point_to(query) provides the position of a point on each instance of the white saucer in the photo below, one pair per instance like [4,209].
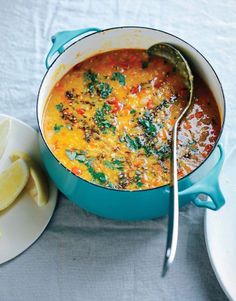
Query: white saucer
[220,230]
[22,223]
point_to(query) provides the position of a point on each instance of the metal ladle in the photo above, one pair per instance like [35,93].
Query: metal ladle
[176,58]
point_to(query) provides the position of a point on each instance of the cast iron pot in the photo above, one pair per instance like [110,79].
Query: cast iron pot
[117,204]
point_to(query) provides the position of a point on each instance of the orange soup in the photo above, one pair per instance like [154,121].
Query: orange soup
[109,120]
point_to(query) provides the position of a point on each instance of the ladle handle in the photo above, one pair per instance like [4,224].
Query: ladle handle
[173,218]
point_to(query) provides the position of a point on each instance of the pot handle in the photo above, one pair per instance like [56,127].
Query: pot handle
[63,37]
[212,197]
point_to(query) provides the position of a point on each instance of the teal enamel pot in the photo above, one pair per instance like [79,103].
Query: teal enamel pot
[68,49]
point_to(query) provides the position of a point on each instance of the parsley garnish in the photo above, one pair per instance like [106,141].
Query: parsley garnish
[80,156]
[132,144]
[132,111]
[57,128]
[59,107]
[114,164]
[101,121]
[120,77]
[95,86]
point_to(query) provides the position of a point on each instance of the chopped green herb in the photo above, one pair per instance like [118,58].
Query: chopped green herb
[150,128]
[71,154]
[106,108]
[163,152]
[94,86]
[102,123]
[81,158]
[131,143]
[59,107]
[120,77]
[99,176]
[132,111]
[104,90]
[91,88]
[109,164]
[115,164]
[90,76]
[137,179]
[118,164]
[57,128]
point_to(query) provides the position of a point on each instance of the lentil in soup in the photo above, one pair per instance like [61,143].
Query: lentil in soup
[109,120]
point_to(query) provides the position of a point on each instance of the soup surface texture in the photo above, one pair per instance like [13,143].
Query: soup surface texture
[109,120]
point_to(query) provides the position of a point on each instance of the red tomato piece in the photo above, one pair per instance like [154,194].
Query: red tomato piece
[112,100]
[80,111]
[76,171]
[136,89]
[117,107]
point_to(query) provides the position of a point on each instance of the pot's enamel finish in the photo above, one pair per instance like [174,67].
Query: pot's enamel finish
[128,205]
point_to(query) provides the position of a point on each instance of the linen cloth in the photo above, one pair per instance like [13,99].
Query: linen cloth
[81,256]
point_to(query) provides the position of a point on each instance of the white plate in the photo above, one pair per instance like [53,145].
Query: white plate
[24,221]
[220,230]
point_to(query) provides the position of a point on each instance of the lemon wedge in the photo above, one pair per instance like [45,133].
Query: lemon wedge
[4,130]
[37,187]
[12,182]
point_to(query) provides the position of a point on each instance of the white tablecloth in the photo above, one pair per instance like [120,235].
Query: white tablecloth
[81,256]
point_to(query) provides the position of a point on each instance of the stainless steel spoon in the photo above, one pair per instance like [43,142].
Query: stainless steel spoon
[176,58]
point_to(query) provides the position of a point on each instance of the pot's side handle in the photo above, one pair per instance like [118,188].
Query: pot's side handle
[208,186]
[60,39]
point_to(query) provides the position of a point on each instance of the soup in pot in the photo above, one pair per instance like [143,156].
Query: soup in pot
[109,120]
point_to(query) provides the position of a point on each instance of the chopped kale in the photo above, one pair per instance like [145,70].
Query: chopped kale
[59,107]
[95,86]
[114,164]
[109,164]
[133,111]
[118,164]
[91,88]
[163,152]
[104,90]
[131,143]
[150,128]
[70,154]
[80,156]
[57,128]
[120,77]
[90,76]
[100,119]
[97,176]
[137,179]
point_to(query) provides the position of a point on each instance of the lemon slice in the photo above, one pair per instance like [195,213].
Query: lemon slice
[12,182]
[37,187]
[4,130]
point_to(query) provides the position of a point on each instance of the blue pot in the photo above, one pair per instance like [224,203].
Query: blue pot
[117,204]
